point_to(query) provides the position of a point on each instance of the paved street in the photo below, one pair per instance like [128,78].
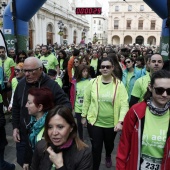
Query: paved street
[10,152]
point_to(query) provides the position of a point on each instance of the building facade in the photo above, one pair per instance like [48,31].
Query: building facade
[131,22]
[44,29]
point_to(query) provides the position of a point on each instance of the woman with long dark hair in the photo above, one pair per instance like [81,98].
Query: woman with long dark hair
[62,148]
[145,139]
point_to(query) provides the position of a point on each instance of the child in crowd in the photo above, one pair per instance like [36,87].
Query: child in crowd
[53,75]
[79,84]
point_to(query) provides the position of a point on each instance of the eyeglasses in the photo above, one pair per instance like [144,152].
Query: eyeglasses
[30,71]
[161,90]
[17,70]
[105,66]
[127,62]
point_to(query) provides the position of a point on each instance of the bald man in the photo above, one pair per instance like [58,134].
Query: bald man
[34,77]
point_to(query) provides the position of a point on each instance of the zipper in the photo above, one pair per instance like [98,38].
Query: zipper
[139,141]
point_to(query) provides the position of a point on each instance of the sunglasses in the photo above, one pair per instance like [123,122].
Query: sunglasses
[127,62]
[161,90]
[17,70]
[107,67]
[76,61]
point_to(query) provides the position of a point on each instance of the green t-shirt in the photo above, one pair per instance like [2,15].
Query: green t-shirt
[50,62]
[129,76]
[106,109]
[8,63]
[80,88]
[140,87]
[61,64]
[59,81]
[154,139]
[94,64]
[14,83]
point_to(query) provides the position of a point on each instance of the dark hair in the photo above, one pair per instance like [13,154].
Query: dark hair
[156,75]
[45,46]
[41,95]
[76,52]
[21,53]
[141,59]
[80,69]
[86,58]
[64,54]
[131,59]
[66,114]
[2,47]
[117,69]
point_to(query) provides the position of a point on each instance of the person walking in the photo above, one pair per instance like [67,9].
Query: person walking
[145,139]
[105,105]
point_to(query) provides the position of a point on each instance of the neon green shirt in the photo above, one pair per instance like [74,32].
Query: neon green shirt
[50,62]
[129,76]
[154,139]
[59,81]
[61,64]
[8,63]
[94,64]
[80,88]
[106,110]
[14,83]
[140,87]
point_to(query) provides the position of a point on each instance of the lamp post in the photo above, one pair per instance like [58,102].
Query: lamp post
[83,34]
[95,39]
[2,8]
[61,26]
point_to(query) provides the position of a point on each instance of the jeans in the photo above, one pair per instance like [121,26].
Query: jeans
[98,136]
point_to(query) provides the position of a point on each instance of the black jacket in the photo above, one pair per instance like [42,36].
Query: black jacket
[74,159]
[20,116]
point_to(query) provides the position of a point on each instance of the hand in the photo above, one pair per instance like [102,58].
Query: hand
[26,167]
[16,135]
[9,108]
[84,121]
[118,127]
[56,158]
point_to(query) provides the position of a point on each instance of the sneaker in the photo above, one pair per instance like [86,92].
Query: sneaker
[108,162]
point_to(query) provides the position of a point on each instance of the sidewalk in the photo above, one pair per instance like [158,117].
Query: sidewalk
[10,151]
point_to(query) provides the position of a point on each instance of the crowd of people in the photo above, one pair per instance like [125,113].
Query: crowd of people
[53,92]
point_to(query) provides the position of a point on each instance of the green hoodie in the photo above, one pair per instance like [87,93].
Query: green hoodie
[91,106]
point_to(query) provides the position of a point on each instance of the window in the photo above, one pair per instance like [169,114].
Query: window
[99,22]
[142,8]
[94,21]
[116,24]
[153,24]
[116,8]
[140,25]
[130,8]
[128,24]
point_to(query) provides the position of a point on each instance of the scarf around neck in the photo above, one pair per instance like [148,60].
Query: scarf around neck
[155,110]
[35,128]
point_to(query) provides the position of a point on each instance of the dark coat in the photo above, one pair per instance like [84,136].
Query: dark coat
[74,159]
[20,116]
[3,141]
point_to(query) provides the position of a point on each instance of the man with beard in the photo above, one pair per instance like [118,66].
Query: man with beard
[49,60]
[140,87]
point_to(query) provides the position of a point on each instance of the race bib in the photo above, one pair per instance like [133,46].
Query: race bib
[146,165]
[45,62]
[80,100]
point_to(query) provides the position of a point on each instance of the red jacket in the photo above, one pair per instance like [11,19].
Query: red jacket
[129,149]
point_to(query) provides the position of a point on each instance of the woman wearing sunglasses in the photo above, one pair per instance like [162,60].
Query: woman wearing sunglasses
[130,75]
[19,74]
[105,105]
[145,139]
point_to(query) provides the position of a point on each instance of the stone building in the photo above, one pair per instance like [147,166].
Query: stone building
[133,21]
[44,29]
